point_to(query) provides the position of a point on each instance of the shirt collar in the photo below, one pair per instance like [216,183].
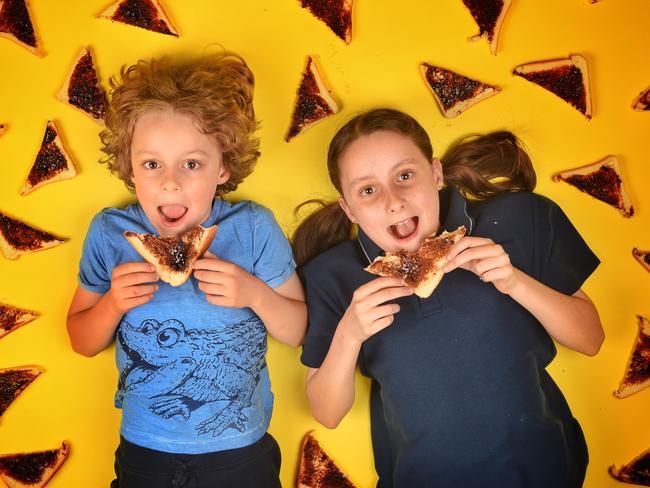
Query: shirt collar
[453,209]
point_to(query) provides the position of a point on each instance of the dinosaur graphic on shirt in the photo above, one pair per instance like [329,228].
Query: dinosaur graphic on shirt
[192,367]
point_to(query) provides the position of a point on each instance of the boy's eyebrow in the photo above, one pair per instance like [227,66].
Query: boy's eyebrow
[153,152]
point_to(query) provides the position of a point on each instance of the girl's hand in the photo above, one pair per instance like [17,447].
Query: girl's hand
[487,260]
[369,313]
[224,283]
[132,284]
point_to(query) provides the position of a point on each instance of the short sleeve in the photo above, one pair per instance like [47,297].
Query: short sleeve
[564,260]
[324,312]
[272,257]
[94,274]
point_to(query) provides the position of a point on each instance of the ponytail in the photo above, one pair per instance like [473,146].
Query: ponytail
[322,229]
[485,166]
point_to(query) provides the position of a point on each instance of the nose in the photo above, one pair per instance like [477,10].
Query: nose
[394,201]
[170,181]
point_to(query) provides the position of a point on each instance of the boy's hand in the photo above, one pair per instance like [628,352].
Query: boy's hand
[132,284]
[486,259]
[368,313]
[224,283]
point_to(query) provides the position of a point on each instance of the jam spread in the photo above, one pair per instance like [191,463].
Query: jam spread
[83,90]
[485,14]
[603,184]
[174,253]
[332,12]
[49,161]
[565,81]
[142,13]
[319,470]
[451,87]
[14,19]
[12,383]
[21,236]
[310,106]
[28,468]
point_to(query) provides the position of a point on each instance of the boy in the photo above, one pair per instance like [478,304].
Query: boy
[193,383]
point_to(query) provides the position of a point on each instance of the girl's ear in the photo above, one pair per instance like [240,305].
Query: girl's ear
[347,210]
[438,178]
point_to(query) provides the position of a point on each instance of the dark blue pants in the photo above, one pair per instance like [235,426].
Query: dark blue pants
[257,465]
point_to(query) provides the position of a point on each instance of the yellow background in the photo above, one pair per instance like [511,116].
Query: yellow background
[73,399]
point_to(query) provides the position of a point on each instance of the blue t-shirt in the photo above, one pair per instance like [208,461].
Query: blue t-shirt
[460,395]
[192,376]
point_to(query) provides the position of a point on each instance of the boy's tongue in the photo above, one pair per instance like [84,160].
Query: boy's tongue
[172,212]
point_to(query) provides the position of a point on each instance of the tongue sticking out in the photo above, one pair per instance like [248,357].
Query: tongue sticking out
[172,212]
[404,229]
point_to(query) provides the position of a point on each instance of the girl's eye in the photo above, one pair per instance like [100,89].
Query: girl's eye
[192,164]
[369,190]
[151,165]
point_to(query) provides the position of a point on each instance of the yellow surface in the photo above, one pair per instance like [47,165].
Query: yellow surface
[73,399]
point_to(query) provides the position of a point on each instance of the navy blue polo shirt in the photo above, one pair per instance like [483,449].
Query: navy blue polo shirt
[460,395]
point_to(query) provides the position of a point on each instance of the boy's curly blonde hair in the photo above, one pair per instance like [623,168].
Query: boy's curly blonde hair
[217,90]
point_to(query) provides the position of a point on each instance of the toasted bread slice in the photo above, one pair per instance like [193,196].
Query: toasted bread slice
[52,163]
[637,372]
[81,89]
[336,14]
[636,471]
[173,256]
[13,381]
[567,78]
[643,257]
[18,238]
[422,269]
[146,14]
[316,469]
[16,24]
[314,101]
[32,469]
[453,92]
[488,15]
[642,102]
[13,317]
[601,180]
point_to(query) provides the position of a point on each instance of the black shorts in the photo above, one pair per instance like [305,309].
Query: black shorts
[257,465]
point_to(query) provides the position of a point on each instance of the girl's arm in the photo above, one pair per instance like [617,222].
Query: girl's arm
[330,388]
[282,309]
[93,317]
[571,320]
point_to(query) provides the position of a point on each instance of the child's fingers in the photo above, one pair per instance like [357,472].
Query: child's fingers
[485,265]
[377,284]
[209,261]
[133,267]
[473,253]
[380,324]
[213,288]
[136,278]
[387,294]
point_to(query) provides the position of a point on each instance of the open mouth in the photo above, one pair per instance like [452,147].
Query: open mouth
[171,214]
[404,229]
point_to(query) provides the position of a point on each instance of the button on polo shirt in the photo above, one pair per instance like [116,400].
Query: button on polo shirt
[460,396]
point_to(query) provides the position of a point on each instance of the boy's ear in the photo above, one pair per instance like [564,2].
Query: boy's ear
[343,204]
[224,175]
[438,177]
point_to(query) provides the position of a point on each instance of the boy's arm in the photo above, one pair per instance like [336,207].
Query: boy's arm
[282,309]
[93,317]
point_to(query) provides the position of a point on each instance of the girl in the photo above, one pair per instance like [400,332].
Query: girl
[460,396]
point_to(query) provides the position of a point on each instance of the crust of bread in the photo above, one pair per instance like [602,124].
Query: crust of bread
[627,209]
[432,278]
[12,318]
[69,172]
[10,252]
[38,50]
[62,94]
[642,102]
[621,473]
[494,43]
[3,129]
[61,455]
[626,389]
[461,105]
[573,60]
[174,278]
[323,92]
[109,13]
[640,256]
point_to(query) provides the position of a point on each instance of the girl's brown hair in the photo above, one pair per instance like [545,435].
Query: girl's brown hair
[217,90]
[480,166]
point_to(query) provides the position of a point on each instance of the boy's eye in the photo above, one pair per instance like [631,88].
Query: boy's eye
[151,165]
[407,175]
[192,164]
